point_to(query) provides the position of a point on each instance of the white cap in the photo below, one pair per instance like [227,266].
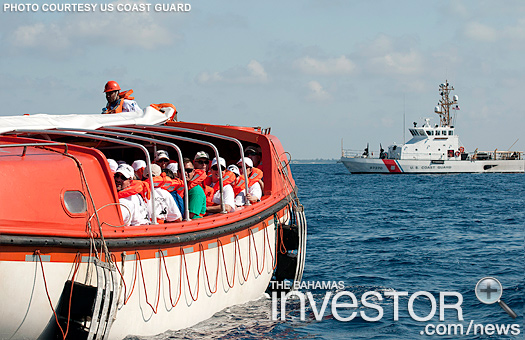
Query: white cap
[138,164]
[160,154]
[126,170]
[155,170]
[222,162]
[201,154]
[233,168]
[248,161]
[173,167]
[112,165]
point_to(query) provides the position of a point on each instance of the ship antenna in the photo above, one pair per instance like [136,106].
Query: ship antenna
[404,113]
[513,144]
[444,104]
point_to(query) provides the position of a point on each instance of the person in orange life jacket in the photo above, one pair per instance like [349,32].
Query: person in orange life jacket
[165,207]
[255,154]
[173,167]
[117,101]
[162,159]
[133,207]
[227,193]
[254,190]
[196,196]
[201,161]
[175,193]
[139,165]
[233,168]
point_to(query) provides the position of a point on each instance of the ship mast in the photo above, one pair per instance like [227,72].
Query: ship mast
[444,105]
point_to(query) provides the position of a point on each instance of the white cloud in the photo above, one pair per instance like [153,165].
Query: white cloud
[256,71]
[119,29]
[253,73]
[516,32]
[479,32]
[38,35]
[317,92]
[397,63]
[327,67]
[391,56]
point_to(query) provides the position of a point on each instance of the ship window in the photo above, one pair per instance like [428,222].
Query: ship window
[450,133]
[429,133]
[437,132]
[75,202]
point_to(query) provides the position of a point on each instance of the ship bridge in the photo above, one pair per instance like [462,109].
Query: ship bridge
[428,142]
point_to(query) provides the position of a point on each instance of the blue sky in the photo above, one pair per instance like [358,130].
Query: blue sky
[315,71]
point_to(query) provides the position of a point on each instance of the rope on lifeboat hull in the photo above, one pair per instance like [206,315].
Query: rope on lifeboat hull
[106,298]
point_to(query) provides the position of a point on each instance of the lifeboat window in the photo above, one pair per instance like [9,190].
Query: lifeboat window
[75,202]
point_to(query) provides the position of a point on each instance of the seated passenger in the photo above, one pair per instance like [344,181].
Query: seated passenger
[196,196]
[255,154]
[162,159]
[173,167]
[201,161]
[233,168]
[165,207]
[254,188]
[176,190]
[227,193]
[134,209]
[139,166]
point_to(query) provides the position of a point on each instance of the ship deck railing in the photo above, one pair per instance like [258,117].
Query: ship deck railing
[498,155]
[351,153]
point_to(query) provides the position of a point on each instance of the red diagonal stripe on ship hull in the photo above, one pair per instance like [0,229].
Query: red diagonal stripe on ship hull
[391,165]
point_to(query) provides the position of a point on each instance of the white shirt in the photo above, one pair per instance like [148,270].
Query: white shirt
[165,207]
[227,195]
[255,190]
[131,106]
[136,212]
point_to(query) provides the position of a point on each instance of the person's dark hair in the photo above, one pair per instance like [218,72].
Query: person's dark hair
[169,173]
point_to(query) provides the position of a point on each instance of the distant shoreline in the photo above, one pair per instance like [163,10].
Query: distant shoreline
[314,161]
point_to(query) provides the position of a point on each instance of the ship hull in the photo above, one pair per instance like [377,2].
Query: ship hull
[404,166]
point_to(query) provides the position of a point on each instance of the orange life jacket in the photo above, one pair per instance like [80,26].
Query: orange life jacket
[255,177]
[118,107]
[160,106]
[165,182]
[209,192]
[228,177]
[197,179]
[136,187]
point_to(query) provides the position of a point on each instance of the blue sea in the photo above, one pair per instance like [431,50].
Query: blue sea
[397,233]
